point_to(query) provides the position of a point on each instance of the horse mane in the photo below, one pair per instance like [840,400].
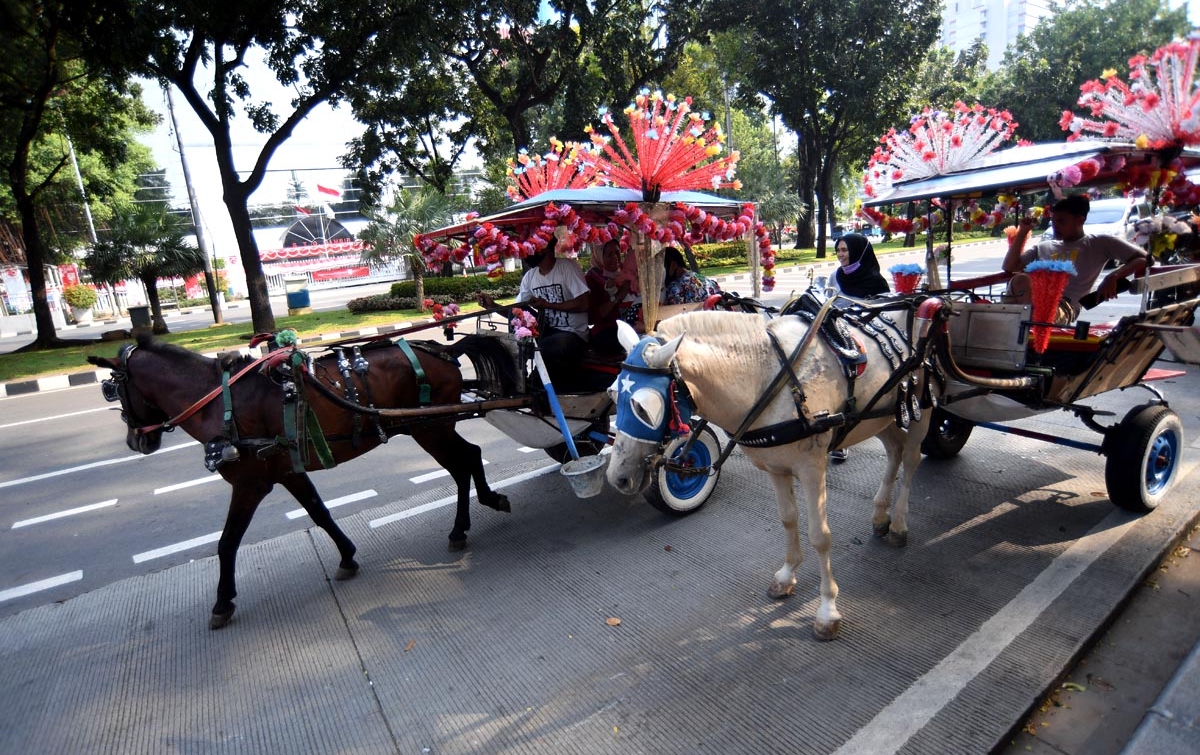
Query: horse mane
[181,360]
[732,334]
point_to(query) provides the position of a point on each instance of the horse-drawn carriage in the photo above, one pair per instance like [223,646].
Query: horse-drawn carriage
[995,372]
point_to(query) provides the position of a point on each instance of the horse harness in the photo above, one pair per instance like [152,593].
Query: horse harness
[836,327]
[291,369]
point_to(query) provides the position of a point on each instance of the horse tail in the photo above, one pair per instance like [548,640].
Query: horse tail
[495,365]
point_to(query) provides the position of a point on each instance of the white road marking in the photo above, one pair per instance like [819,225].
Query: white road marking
[453,498]
[528,449]
[167,550]
[61,514]
[907,714]
[214,477]
[45,584]
[93,465]
[432,475]
[353,497]
[57,416]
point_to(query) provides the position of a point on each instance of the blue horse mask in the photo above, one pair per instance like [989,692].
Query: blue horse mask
[647,400]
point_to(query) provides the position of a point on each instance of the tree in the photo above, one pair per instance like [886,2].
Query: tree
[1042,71]
[390,233]
[315,49]
[945,78]
[838,74]
[60,93]
[145,241]
[509,77]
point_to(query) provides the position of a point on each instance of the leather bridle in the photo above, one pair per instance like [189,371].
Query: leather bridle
[116,388]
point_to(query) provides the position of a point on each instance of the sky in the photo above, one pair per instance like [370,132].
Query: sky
[313,151]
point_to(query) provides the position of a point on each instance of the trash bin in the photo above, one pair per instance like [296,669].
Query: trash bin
[297,295]
[139,316]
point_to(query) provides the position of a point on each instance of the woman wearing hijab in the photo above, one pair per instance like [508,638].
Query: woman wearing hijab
[859,277]
[859,274]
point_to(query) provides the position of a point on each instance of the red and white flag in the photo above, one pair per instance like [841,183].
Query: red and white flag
[327,190]
[302,211]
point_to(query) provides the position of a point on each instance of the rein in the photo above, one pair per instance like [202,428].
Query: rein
[170,424]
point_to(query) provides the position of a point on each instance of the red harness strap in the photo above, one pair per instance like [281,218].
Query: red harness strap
[268,359]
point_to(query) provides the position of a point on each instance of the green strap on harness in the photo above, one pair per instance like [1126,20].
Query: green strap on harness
[227,399]
[422,383]
[297,441]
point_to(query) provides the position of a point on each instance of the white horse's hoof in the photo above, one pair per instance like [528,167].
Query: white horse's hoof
[778,592]
[881,529]
[897,539]
[827,630]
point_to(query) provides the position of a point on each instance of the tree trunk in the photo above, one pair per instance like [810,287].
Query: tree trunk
[806,181]
[261,316]
[47,334]
[825,202]
[158,322]
[418,270]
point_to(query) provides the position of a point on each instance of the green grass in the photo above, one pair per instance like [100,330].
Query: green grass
[26,365]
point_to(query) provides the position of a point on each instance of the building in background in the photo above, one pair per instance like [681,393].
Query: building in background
[998,22]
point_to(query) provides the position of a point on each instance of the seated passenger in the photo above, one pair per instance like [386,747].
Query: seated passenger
[681,285]
[558,291]
[1087,252]
[612,298]
[858,272]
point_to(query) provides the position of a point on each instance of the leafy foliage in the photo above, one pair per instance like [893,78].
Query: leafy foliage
[390,233]
[837,73]
[62,87]
[1042,71]
[80,296]
[147,242]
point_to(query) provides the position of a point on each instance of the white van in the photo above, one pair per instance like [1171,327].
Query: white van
[1108,217]
[1111,217]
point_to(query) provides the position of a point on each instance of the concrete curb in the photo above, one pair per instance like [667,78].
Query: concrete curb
[90,377]
[1172,725]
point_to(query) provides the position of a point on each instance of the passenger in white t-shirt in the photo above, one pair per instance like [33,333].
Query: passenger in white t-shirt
[556,288]
[1087,252]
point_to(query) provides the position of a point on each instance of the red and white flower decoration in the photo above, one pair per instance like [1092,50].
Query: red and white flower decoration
[936,142]
[523,324]
[560,168]
[672,151]
[1159,107]
[671,145]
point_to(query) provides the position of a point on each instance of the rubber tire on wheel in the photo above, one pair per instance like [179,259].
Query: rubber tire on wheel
[947,434]
[681,494]
[1143,455]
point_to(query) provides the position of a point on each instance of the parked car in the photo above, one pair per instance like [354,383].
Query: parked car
[1108,217]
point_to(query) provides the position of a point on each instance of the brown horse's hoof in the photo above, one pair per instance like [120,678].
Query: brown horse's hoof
[896,539]
[778,592]
[218,620]
[881,530]
[826,630]
[346,571]
[458,545]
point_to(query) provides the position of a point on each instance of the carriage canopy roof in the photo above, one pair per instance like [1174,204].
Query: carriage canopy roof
[595,204]
[1025,169]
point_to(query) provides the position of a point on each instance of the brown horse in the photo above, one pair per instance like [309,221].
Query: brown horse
[159,383]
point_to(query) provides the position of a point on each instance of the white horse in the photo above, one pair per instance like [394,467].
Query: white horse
[729,367]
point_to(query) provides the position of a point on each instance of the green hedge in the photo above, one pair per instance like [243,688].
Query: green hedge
[457,290]
[459,287]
